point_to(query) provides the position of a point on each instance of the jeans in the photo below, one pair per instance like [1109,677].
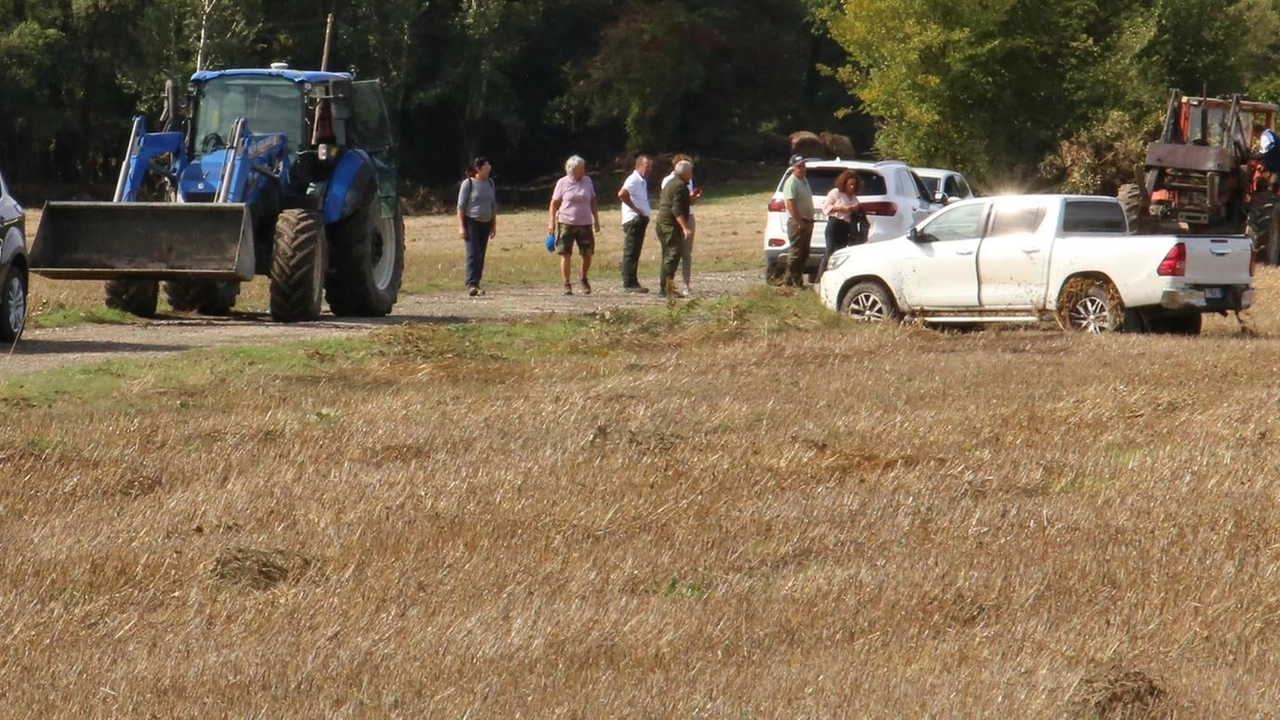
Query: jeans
[477,242]
[632,242]
[839,235]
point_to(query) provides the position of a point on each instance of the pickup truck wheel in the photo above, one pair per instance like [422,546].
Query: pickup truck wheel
[1094,306]
[870,302]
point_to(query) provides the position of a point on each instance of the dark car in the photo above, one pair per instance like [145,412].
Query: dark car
[13,267]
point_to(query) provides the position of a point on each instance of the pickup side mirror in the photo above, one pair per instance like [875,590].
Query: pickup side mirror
[913,235]
[940,198]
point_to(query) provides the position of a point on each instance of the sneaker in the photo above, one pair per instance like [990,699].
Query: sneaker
[637,289]
[568,289]
[480,291]
[686,292]
[473,291]
[586,287]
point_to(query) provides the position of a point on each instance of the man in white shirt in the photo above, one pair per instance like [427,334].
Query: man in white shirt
[634,196]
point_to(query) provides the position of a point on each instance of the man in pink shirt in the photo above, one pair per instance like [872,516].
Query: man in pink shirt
[575,218]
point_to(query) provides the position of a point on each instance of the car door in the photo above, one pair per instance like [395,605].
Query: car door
[912,192]
[943,273]
[1013,260]
[951,189]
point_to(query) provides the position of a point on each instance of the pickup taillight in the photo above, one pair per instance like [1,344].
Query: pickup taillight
[1174,263]
[1253,261]
[777,205]
[882,208]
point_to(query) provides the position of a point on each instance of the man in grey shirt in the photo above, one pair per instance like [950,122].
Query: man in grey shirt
[799,200]
[477,219]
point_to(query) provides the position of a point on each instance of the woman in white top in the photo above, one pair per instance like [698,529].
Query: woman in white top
[846,223]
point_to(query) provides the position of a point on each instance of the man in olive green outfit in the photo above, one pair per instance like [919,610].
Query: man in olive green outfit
[799,199]
[672,226]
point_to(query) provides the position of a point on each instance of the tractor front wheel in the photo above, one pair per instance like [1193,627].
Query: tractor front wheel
[138,297]
[367,259]
[207,297]
[297,266]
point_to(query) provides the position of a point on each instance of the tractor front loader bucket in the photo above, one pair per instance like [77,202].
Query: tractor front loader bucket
[144,241]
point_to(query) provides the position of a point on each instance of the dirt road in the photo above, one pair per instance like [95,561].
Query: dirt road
[47,349]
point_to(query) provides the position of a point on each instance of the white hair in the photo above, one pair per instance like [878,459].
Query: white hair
[573,163]
[683,167]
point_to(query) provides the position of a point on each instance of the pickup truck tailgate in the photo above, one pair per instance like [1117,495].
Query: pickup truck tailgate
[1217,260]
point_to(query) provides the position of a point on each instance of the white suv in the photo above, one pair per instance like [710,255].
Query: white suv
[893,197]
[944,185]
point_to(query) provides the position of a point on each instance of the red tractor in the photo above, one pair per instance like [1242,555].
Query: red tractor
[1201,175]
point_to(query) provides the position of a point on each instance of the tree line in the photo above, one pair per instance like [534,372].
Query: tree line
[525,82]
[1045,92]
[1048,91]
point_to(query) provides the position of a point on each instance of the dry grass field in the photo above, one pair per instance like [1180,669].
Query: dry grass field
[735,508]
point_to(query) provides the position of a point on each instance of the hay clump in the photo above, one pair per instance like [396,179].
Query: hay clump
[807,144]
[1121,694]
[838,145]
[258,569]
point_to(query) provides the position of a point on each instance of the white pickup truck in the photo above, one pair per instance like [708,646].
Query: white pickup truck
[1032,258]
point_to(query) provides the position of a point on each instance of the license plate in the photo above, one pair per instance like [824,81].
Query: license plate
[1213,293]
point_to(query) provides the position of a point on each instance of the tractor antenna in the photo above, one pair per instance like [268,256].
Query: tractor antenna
[328,37]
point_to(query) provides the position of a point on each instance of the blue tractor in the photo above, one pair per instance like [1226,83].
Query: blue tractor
[278,172]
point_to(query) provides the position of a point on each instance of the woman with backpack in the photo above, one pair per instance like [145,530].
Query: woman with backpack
[477,219]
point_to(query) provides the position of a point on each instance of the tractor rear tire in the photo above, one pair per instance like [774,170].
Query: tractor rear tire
[207,297]
[1130,197]
[138,297]
[366,259]
[297,266]
[1262,227]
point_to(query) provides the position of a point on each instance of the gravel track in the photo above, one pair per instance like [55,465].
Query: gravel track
[48,349]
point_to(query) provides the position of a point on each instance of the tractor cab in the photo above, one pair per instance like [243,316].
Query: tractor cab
[1217,122]
[1198,174]
[296,121]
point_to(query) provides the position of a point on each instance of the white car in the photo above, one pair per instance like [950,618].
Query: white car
[891,194]
[1030,258]
[945,185]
